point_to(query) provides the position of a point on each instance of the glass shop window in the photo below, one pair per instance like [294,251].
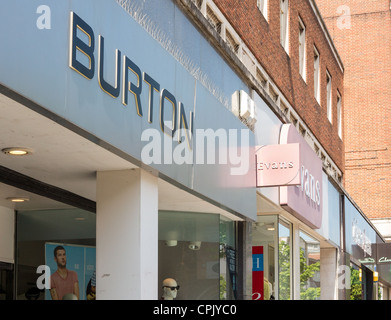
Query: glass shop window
[198,251]
[264,237]
[284,260]
[309,268]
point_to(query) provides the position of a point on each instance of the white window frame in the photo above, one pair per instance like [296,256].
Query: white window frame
[316,74]
[329,97]
[284,24]
[262,6]
[339,113]
[302,50]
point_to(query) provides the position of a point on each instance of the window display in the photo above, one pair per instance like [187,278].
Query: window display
[198,250]
[264,235]
[39,232]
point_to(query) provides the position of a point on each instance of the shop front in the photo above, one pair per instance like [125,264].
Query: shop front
[136,169]
[296,237]
[368,253]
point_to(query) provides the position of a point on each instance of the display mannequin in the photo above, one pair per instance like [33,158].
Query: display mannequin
[170,289]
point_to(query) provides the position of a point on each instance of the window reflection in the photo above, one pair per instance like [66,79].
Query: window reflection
[309,268]
[355,282]
[284,261]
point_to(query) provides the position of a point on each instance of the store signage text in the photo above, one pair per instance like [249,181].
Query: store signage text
[122,85]
[274,165]
[305,199]
[278,165]
[361,239]
[310,185]
[384,260]
[371,260]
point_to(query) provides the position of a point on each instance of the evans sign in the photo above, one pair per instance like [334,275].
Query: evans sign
[305,200]
[278,165]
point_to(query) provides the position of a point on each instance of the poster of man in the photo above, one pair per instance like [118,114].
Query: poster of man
[71,267]
[64,283]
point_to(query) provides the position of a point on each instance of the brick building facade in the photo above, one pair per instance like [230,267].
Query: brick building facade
[261,32]
[361,31]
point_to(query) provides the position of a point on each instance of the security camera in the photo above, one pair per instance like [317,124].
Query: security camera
[195,245]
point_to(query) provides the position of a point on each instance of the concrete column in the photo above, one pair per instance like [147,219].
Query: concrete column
[127,235]
[328,274]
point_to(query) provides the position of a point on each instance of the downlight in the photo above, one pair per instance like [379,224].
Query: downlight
[18,199]
[17,151]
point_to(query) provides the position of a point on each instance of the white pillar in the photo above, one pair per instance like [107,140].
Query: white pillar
[127,235]
[328,274]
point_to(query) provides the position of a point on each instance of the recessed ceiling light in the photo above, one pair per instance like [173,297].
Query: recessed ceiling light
[17,151]
[18,199]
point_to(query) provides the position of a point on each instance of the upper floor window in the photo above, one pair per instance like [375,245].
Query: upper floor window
[262,6]
[339,114]
[329,100]
[316,75]
[284,25]
[302,50]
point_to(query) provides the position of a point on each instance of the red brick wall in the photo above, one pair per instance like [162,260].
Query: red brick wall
[263,38]
[365,47]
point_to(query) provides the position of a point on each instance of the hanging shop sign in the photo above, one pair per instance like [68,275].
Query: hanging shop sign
[304,201]
[278,165]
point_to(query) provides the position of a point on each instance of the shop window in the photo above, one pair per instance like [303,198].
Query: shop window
[38,233]
[264,239]
[198,250]
[356,277]
[309,268]
[228,260]
[284,261]
[6,281]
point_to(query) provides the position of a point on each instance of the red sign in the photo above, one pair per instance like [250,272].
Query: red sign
[257,254]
